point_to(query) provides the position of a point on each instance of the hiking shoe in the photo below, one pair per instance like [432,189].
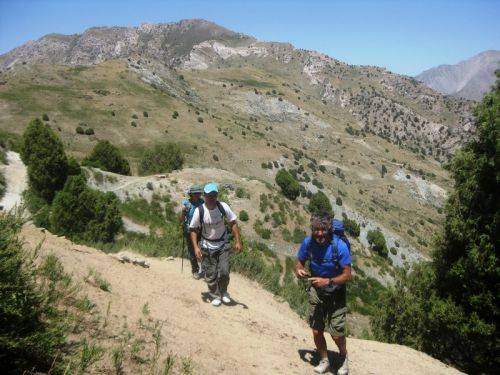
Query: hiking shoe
[344,368]
[226,298]
[196,275]
[324,366]
[216,302]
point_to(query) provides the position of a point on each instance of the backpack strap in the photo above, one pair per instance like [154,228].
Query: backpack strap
[222,210]
[335,249]
[189,214]
[220,207]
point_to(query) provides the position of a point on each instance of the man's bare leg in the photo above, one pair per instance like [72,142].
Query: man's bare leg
[341,343]
[324,363]
[320,342]
[344,364]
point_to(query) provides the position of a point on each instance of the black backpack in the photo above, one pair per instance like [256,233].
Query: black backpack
[201,210]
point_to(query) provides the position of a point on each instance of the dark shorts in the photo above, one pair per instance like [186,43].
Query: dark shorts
[327,312]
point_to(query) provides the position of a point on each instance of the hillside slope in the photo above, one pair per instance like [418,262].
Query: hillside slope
[469,79]
[257,335]
[252,135]
[396,107]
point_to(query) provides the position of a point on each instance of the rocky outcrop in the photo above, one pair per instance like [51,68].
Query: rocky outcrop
[168,43]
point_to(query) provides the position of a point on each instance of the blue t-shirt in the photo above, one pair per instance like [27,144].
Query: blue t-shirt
[323,261]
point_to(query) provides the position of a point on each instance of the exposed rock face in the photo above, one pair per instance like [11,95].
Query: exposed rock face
[168,43]
[469,79]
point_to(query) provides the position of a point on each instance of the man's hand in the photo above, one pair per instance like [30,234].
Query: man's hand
[302,273]
[197,253]
[237,246]
[319,282]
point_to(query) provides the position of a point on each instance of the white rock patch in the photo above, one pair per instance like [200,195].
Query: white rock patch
[421,189]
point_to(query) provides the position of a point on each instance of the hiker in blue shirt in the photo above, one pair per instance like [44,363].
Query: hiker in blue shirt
[329,269]
[188,208]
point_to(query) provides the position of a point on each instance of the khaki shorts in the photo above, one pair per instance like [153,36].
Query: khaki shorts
[327,312]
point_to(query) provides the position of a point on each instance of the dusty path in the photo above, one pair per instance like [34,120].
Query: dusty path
[16,178]
[258,335]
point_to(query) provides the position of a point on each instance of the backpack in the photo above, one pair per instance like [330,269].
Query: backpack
[190,212]
[338,230]
[201,210]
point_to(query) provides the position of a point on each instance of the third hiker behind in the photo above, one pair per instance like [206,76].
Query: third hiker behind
[188,209]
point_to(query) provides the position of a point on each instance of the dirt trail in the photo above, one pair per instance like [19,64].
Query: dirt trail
[16,178]
[258,335]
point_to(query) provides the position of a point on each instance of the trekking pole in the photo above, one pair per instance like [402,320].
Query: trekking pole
[182,253]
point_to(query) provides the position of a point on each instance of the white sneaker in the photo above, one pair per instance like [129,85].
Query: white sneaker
[324,366]
[226,298]
[344,368]
[216,302]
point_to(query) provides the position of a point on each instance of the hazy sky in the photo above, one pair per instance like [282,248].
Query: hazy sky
[404,36]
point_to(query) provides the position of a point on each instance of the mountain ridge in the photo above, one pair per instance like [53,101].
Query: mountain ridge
[369,93]
[470,78]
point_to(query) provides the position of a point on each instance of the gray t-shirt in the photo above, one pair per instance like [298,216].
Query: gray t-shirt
[214,230]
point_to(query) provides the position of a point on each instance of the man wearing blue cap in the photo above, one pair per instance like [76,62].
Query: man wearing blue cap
[329,269]
[212,248]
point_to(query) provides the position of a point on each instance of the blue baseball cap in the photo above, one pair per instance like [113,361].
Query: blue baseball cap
[211,188]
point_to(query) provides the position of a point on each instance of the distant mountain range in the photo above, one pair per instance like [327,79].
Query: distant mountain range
[469,79]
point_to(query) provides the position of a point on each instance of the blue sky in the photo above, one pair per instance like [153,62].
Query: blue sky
[403,36]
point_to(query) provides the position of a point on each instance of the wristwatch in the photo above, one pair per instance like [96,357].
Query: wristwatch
[330,281]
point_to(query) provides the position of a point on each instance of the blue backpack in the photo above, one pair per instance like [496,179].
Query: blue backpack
[338,230]
[190,212]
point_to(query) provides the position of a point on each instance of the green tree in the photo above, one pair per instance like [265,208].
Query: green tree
[107,157]
[351,227]
[289,186]
[44,156]
[454,299]
[3,185]
[31,331]
[163,158]
[319,203]
[383,171]
[244,215]
[73,166]
[376,240]
[84,214]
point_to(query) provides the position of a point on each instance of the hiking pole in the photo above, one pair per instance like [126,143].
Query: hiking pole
[182,253]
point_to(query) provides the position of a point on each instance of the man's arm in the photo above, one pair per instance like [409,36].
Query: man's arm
[236,233]
[182,216]
[194,240]
[300,270]
[344,277]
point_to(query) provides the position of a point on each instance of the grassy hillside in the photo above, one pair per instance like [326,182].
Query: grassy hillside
[239,120]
